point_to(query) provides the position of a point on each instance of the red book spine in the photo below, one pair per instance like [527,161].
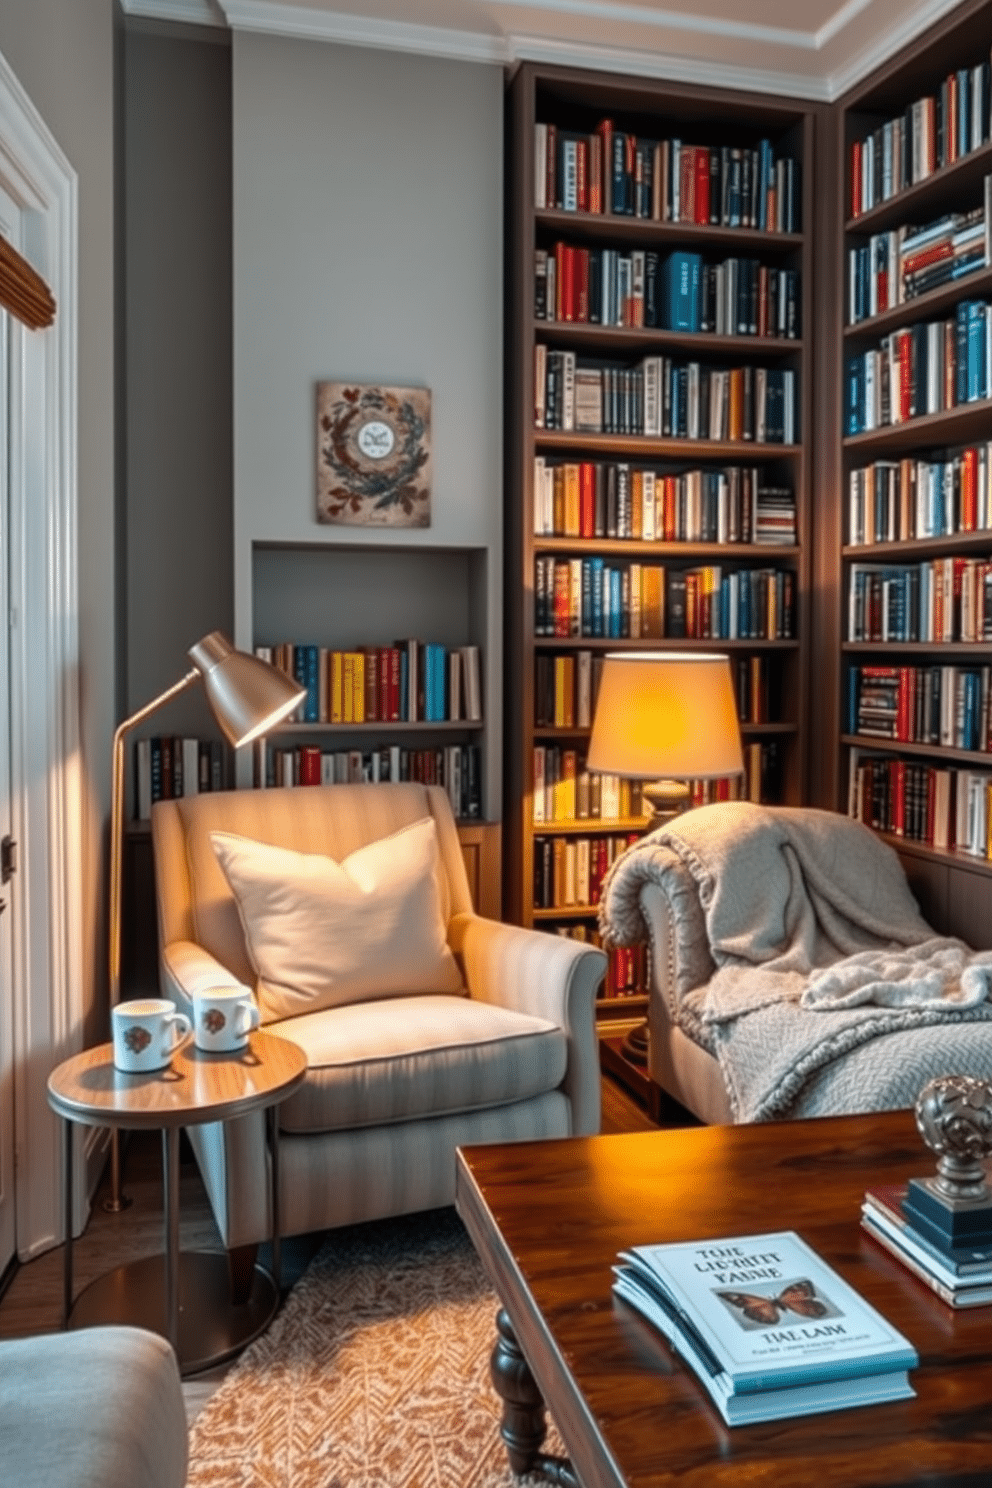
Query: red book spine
[856,179]
[587,499]
[969,490]
[395,673]
[582,284]
[559,307]
[561,599]
[898,791]
[702,195]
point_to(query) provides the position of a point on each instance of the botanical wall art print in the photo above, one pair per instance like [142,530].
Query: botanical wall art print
[373,455]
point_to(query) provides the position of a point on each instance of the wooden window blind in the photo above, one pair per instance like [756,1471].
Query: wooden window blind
[23,291]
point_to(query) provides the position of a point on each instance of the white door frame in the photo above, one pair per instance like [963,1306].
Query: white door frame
[46,767]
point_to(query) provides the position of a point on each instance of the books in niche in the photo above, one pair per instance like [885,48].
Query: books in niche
[770,1329]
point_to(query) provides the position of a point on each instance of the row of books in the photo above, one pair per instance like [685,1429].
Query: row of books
[565,791]
[569,871]
[566,686]
[946,706]
[628,968]
[943,599]
[922,369]
[594,598]
[458,767]
[606,286]
[944,808]
[930,133]
[664,399]
[615,171]
[768,1328]
[896,500]
[960,1275]
[410,681]
[905,262]
[167,766]
[602,498]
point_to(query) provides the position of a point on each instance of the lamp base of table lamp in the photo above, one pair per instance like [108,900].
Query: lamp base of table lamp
[667,799]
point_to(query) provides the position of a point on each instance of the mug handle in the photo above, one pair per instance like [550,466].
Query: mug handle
[182,1028]
[248,1018]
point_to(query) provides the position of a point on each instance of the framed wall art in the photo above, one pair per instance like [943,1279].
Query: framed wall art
[373,455]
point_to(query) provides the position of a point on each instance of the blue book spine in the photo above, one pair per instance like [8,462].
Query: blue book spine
[976,350]
[853,691]
[682,273]
[442,682]
[724,607]
[598,628]
[855,393]
[615,604]
[312,712]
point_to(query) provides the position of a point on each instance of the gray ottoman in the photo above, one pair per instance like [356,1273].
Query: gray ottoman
[101,1408]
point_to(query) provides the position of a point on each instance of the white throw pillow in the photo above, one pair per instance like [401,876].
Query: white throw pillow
[321,934]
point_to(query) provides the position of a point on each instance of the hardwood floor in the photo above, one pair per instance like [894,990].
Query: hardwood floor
[32,1302]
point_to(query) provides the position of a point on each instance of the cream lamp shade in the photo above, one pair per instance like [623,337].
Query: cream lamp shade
[666,715]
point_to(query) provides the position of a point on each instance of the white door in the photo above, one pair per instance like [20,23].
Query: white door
[10,228]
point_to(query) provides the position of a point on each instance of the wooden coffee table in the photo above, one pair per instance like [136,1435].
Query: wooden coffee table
[548,1219]
[185,1296]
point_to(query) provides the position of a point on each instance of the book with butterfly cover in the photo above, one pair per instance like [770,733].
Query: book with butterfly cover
[769,1328]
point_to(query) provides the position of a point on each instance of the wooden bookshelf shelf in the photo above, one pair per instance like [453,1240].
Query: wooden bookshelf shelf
[930,306]
[976,757]
[702,345]
[961,425]
[607,227]
[922,547]
[754,555]
[943,191]
[645,447]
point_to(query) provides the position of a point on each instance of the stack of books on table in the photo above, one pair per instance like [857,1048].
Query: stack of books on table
[769,1328]
[960,1275]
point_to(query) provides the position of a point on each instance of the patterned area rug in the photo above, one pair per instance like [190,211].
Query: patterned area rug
[374,1375]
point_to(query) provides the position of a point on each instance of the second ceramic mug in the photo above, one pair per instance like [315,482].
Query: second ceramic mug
[223,1017]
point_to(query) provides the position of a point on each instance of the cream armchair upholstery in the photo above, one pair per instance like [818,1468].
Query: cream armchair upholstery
[393,1086]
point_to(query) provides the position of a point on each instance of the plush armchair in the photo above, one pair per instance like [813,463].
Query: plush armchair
[503,1049]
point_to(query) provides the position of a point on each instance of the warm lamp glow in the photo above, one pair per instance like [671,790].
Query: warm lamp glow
[666,714]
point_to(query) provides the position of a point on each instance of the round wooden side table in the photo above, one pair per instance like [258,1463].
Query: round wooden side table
[185,1296]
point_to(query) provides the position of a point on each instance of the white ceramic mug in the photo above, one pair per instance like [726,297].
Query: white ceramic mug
[147,1032]
[223,1017]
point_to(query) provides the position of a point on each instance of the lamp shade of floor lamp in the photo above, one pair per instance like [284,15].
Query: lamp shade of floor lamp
[665,718]
[247,697]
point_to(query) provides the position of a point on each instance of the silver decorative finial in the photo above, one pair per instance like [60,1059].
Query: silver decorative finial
[954,1117]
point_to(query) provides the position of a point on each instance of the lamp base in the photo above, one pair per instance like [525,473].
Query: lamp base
[667,800]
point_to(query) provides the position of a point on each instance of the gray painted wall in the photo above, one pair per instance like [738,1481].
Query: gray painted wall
[368,247]
[177,372]
[62,54]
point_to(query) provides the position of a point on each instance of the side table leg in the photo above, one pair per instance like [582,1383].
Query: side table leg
[67,1216]
[523,1425]
[272,1118]
[170,1164]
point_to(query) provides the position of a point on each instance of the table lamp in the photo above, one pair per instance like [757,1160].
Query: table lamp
[665,718]
[247,697]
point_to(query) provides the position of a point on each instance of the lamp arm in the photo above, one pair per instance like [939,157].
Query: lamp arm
[117,824]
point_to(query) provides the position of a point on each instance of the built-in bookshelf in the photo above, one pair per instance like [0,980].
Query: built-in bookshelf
[914,612]
[658,431]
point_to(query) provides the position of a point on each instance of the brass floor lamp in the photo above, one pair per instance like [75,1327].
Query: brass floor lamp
[664,717]
[247,697]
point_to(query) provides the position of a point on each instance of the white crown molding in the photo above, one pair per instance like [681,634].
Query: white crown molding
[885,46]
[305,23]
[673,68]
[309,23]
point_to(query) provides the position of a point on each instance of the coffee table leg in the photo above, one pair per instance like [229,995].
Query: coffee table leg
[523,1425]
[170,1163]
[67,1214]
